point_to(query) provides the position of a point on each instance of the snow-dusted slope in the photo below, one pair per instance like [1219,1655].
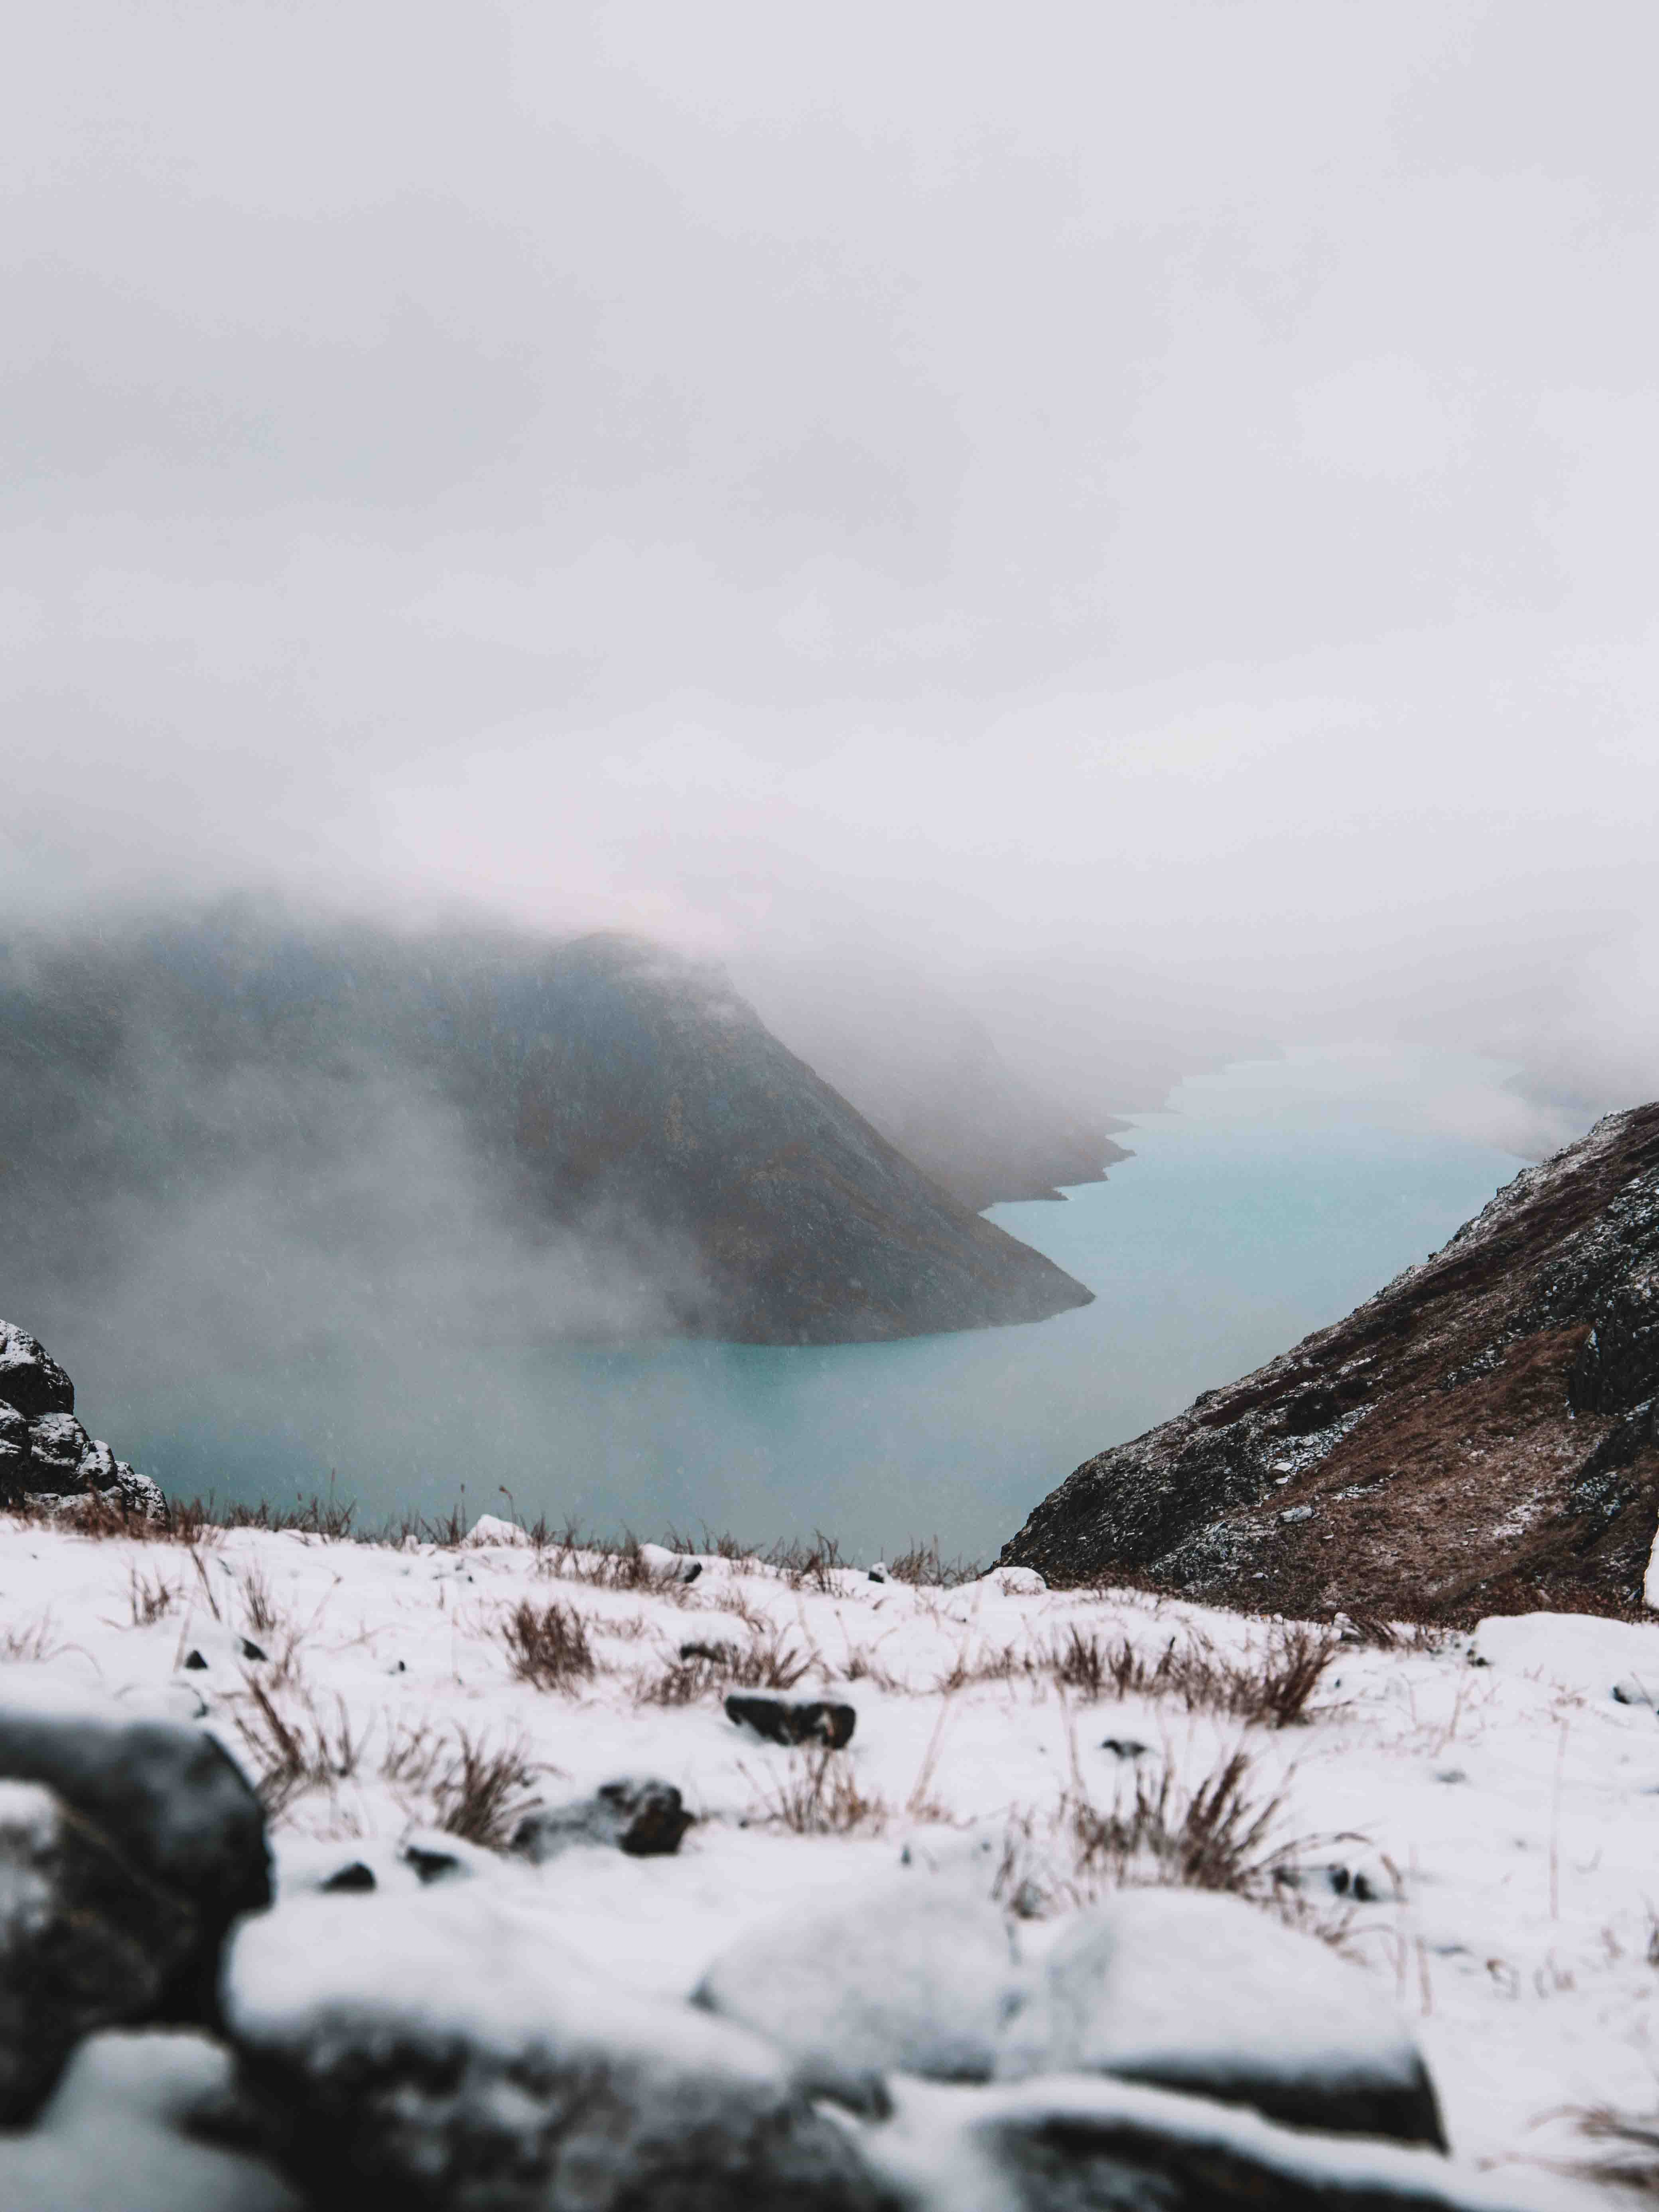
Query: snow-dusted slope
[1482,1836]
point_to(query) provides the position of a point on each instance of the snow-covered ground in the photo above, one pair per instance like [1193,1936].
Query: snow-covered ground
[1476,1819]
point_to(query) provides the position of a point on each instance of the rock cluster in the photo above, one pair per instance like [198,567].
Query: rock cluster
[45,1455]
[902,2044]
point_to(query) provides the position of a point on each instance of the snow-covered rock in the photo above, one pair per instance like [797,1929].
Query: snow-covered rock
[917,1973]
[444,2050]
[46,1455]
[166,1795]
[491,1528]
[30,1379]
[1016,1581]
[85,1941]
[645,1818]
[669,1566]
[1201,1992]
[122,2133]
[1070,2144]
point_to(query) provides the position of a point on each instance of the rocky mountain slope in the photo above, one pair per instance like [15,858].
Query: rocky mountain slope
[604,1125]
[1479,1436]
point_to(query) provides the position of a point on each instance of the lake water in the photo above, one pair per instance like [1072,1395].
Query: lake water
[1268,1201]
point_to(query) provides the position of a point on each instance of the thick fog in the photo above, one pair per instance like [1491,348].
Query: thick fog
[1144,513]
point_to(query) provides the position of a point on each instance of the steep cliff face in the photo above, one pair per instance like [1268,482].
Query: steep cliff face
[1480,1436]
[597,1107]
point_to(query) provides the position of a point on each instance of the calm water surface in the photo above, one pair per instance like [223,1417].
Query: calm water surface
[1266,1202]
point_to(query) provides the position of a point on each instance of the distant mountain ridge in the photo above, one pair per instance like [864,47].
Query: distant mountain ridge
[601,1088]
[1480,1436]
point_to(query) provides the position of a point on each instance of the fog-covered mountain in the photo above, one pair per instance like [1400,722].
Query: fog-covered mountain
[928,1075]
[588,1138]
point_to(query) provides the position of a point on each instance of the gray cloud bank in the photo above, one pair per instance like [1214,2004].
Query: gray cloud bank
[1148,510]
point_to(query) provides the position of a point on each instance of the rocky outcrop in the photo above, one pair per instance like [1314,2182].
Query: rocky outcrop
[1478,1438]
[45,1455]
[599,1113]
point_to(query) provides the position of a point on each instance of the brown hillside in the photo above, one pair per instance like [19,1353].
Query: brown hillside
[1478,1438]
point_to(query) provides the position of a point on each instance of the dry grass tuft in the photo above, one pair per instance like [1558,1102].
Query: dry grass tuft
[770,1661]
[297,1751]
[473,1791]
[549,1646]
[1220,1834]
[1631,2162]
[924,1565]
[150,1597]
[32,1644]
[820,1796]
[257,1604]
[1272,1688]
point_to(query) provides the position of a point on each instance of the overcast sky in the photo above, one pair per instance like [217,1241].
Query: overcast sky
[1156,491]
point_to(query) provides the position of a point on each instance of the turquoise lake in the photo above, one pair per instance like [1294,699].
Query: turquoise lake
[1266,1201]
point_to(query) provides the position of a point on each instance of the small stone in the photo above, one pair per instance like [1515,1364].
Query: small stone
[1296,1513]
[815,1720]
[356,1876]
[194,1661]
[644,1818]
[1126,1746]
[878,1572]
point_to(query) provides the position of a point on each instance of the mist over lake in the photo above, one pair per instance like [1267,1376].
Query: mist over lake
[1266,1201]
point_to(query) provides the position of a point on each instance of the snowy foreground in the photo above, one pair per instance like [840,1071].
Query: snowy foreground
[1475,1818]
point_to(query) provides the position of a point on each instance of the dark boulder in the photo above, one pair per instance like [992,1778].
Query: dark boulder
[168,1798]
[812,1721]
[86,1942]
[30,1380]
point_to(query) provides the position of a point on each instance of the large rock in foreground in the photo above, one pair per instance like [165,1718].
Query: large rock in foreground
[86,1942]
[1203,1993]
[169,1800]
[444,2052]
[1478,1437]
